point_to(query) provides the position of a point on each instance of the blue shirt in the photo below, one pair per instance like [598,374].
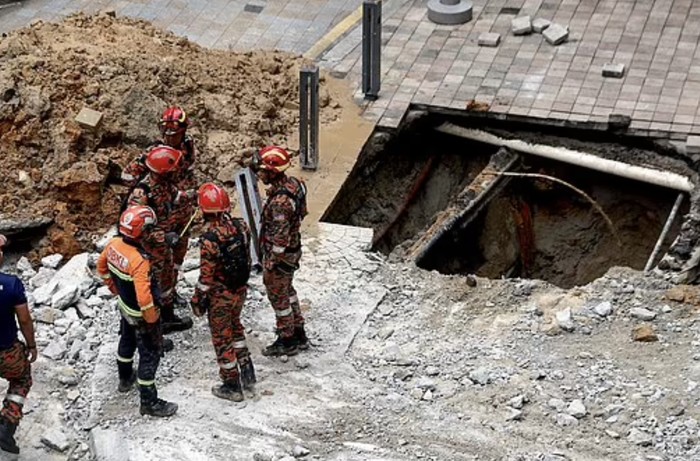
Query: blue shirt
[11,296]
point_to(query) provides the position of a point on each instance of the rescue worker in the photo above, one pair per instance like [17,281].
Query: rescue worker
[157,191]
[280,242]
[221,290]
[173,126]
[126,270]
[15,356]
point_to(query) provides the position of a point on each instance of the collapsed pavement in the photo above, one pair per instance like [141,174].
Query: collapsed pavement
[406,364]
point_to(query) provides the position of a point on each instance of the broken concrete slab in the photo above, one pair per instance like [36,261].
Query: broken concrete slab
[56,439]
[88,118]
[556,34]
[56,350]
[44,293]
[613,70]
[108,445]
[521,25]
[65,297]
[52,261]
[540,24]
[489,39]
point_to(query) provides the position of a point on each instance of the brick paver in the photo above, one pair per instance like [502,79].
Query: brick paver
[657,42]
[289,25]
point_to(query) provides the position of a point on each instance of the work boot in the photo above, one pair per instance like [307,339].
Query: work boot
[282,346]
[248,378]
[229,390]
[173,323]
[7,436]
[158,408]
[168,345]
[125,384]
[300,336]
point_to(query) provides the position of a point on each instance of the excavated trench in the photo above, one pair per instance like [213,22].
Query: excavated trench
[437,199]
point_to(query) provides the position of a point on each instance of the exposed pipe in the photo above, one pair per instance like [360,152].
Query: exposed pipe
[582,159]
[664,232]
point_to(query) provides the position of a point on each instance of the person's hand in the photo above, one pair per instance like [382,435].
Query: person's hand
[172,238]
[32,354]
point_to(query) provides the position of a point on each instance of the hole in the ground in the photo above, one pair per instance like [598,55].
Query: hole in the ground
[434,198]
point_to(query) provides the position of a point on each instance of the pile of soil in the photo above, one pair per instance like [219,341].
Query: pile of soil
[59,174]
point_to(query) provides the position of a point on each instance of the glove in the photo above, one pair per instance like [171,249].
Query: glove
[172,239]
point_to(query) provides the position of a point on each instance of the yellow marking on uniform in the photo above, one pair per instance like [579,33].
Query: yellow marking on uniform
[332,35]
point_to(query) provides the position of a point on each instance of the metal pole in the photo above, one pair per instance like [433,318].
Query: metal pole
[664,232]
[251,209]
[304,115]
[371,47]
[312,164]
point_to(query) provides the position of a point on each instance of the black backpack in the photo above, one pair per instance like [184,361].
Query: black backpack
[235,256]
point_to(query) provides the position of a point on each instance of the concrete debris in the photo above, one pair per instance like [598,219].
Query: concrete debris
[89,118]
[692,145]
[104,293]
[557,404]
[44,293]
[642,314]
[514,415]
[300,451]
[521,25]
[565,420]
[639,437]
[55,350]
[517,402]
[385,333]
[108,445]
[577,409]
[556,34]
[23,265]
[42,277]
[603,309]
[52,261]
[65,297]
[56,439]
[480,376]
[564,320]
[540,24]
[645,334]
[47,315]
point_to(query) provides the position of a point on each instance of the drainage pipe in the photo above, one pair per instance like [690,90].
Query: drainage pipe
[664,231]
[582,159]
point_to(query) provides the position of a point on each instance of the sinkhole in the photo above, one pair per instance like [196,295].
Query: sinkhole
[461,205]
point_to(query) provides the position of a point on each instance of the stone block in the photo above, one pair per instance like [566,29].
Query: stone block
[556,34]
[108,445]
[692,145]
[88,118]
[613,70]
[521,25]
[540,24]
[489,39]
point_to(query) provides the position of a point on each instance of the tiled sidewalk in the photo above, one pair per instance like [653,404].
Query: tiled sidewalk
[525,76]
[289,25]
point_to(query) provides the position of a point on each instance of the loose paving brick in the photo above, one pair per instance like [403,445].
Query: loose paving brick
[614,70]
[88,118]
[489,39]
[540,24]
[556,34]
[521,25]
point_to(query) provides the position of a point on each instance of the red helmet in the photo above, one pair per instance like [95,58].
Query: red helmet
[274,159]
[133,221]
[213,199]
[173,121]
[163,159]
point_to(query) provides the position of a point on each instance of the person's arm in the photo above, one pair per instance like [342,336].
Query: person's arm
[103,271]
[27,327]
[144,296]
[279,230]
[209,254]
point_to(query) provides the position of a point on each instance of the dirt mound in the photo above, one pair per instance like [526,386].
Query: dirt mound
[128,70]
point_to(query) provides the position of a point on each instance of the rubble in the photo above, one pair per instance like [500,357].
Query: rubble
[644,333]
[56,439]
[642,314]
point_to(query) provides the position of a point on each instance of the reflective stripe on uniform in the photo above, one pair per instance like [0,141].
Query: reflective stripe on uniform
[127,177]
[277,249]
[18,399]
[114,270]
[284,313]
[127,310]
[124,359]
[240,344]
[143,382]
[294,299]
[105,276]
[203,287]
[228,366]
